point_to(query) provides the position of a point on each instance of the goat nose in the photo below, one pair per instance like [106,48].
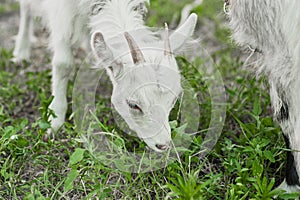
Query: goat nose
[162,147]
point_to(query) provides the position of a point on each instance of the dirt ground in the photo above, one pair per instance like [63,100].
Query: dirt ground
[8,29]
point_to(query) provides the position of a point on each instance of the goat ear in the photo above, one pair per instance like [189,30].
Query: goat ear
[185,31]
[105,55]
[100,49]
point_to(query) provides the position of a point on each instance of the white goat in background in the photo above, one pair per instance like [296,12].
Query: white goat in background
[272,29]
[117,27]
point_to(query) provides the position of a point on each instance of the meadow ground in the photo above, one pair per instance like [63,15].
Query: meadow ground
[248,161]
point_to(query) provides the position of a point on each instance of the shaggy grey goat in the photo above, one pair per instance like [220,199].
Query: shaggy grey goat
[272,29]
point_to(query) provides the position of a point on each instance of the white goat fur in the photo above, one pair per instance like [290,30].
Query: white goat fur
[69,20]
[273,27]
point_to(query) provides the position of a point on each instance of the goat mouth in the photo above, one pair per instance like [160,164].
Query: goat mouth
[158,148]
[162,147]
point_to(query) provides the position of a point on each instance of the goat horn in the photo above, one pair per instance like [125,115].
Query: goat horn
[167,51]
[136,53]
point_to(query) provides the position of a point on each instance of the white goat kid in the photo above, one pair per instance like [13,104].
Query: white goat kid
[117,27]
[272,28]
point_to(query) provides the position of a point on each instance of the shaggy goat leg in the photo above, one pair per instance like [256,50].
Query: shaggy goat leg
[291,174]
[291,182]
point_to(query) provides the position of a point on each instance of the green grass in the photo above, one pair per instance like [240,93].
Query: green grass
[8,7]
[247,162]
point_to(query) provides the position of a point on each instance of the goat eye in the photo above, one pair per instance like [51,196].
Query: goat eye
[134,106]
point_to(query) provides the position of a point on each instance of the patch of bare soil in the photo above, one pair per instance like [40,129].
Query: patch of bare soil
[8,28]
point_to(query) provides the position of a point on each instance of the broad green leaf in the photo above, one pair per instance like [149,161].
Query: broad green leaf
[269,156]
[256,107]
[68,185]
[29,197]
[44,125]
[77,156]
[257,168]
